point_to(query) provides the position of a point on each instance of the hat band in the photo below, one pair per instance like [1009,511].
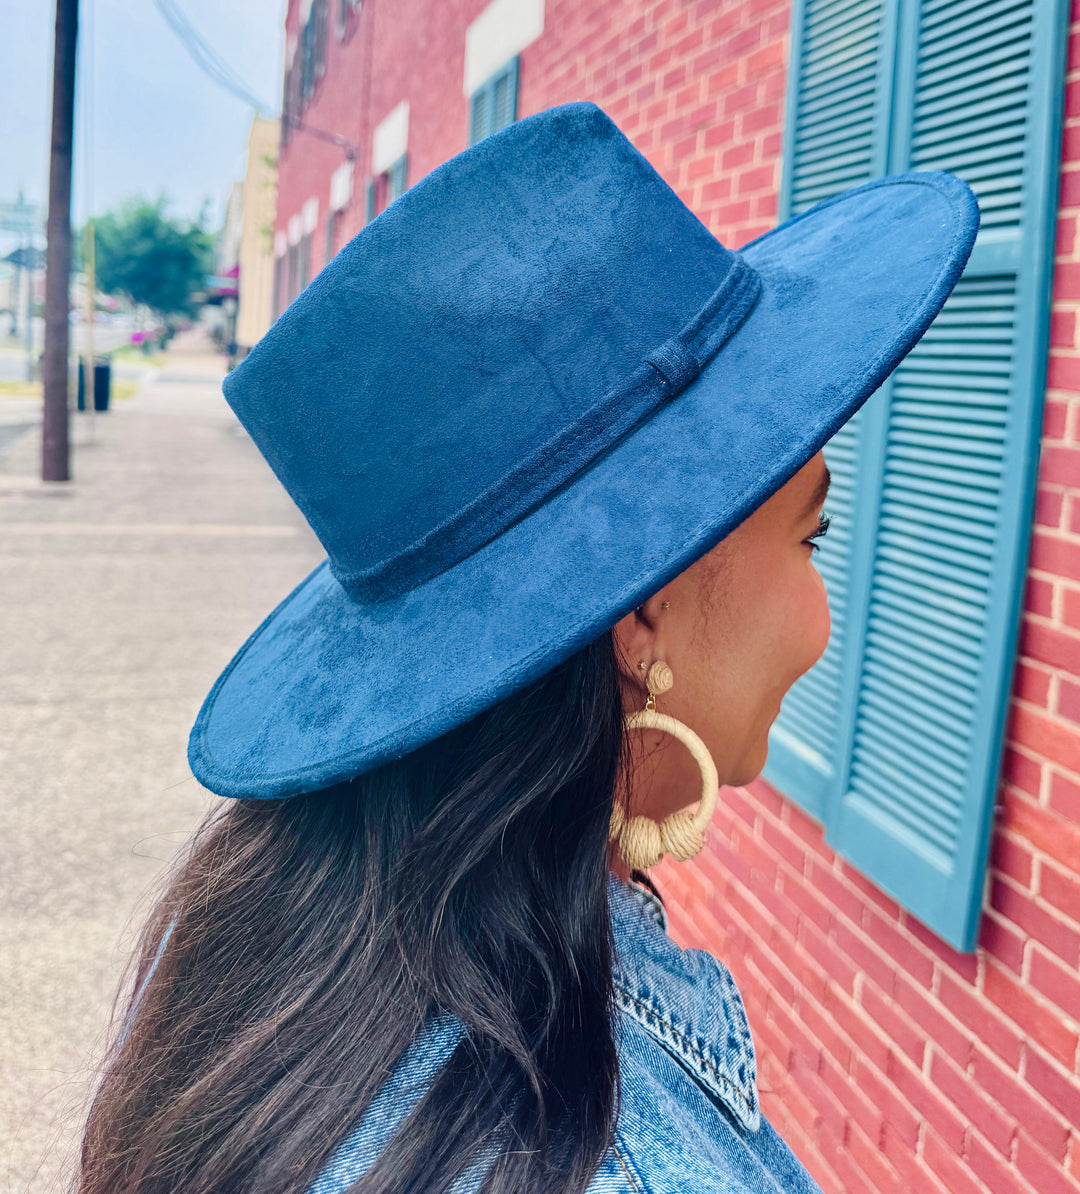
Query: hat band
[664,373]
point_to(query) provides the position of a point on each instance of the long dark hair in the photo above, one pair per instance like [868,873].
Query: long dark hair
[312,938]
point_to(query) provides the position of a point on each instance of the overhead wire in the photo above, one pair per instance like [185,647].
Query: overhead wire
[217,69]
[205,57]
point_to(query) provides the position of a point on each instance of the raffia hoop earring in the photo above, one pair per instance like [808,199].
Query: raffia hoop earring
[642,842]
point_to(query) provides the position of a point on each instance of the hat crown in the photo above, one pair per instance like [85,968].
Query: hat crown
[407,396]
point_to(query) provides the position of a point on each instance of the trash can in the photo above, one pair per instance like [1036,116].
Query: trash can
[102,380]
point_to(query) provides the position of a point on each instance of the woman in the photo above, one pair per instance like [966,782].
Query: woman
[564,452]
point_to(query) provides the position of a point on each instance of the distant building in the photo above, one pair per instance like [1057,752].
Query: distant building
[228,247]
[256,250]
[218,315]
[899,894]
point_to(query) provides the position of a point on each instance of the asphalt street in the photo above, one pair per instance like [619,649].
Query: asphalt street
[123,593]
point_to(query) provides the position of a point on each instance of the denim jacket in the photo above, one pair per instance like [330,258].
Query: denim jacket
[689,1119]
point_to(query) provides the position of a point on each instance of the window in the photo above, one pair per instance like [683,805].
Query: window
[333,220]
[279,286]
[318,21]
[396,176]
[493,105]
[893,740]
[304,267]
[345,23]
[292,279]
[290,100]
[307,60]
[384,188]
[308,65]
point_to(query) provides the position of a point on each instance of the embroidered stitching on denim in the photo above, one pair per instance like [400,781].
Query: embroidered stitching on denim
[746,1047]
[680,1042]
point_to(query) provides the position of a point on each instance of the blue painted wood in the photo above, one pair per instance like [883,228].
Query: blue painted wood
[944,483]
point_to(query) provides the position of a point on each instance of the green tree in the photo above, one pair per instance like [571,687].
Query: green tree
[151,258]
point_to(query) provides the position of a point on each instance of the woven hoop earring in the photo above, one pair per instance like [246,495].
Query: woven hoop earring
[642,842]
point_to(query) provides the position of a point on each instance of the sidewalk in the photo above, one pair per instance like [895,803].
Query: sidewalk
[123,593]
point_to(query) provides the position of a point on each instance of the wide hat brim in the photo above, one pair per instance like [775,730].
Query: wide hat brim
[328,687]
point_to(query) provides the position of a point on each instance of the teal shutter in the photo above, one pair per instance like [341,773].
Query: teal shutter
[369,202]
[493,105]
[840,79]
[398,174]
[504,97]
[479,114]
[940,497]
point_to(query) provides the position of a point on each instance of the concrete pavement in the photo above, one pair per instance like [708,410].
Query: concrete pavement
[123,593]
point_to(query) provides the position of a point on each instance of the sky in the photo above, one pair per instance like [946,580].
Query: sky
[147,120]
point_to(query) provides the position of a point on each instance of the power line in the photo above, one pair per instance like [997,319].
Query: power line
[216,68]
[205,58]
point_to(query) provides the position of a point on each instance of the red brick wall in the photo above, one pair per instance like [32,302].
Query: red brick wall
[698,88]
[889,1061]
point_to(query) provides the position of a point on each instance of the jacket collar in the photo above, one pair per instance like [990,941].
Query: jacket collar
[685,1000]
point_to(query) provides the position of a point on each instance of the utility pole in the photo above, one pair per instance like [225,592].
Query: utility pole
[54,429]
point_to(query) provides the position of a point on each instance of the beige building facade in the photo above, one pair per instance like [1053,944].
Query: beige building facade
[255,311]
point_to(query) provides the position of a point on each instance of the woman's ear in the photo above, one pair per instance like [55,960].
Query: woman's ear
[636,639]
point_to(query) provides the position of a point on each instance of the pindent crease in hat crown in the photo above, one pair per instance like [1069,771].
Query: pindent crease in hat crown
[466,402]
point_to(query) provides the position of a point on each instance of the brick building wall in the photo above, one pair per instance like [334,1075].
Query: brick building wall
[888,1060]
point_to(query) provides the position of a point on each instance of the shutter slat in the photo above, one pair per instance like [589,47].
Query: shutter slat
[954,60]
[962,14]
[937,618]
[903,807]
[946,562]
[823,20]
[838,70]
[882,710]
[848,91]
[947,629]
[912,690]
[988,81]
[837,119]
[939,779]
[959,462]
[941,539]
[990,137]
[990,30]
[981,438]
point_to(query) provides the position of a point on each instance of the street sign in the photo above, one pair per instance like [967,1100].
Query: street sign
[20,216]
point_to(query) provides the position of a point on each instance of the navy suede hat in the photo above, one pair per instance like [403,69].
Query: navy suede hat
[530,393]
